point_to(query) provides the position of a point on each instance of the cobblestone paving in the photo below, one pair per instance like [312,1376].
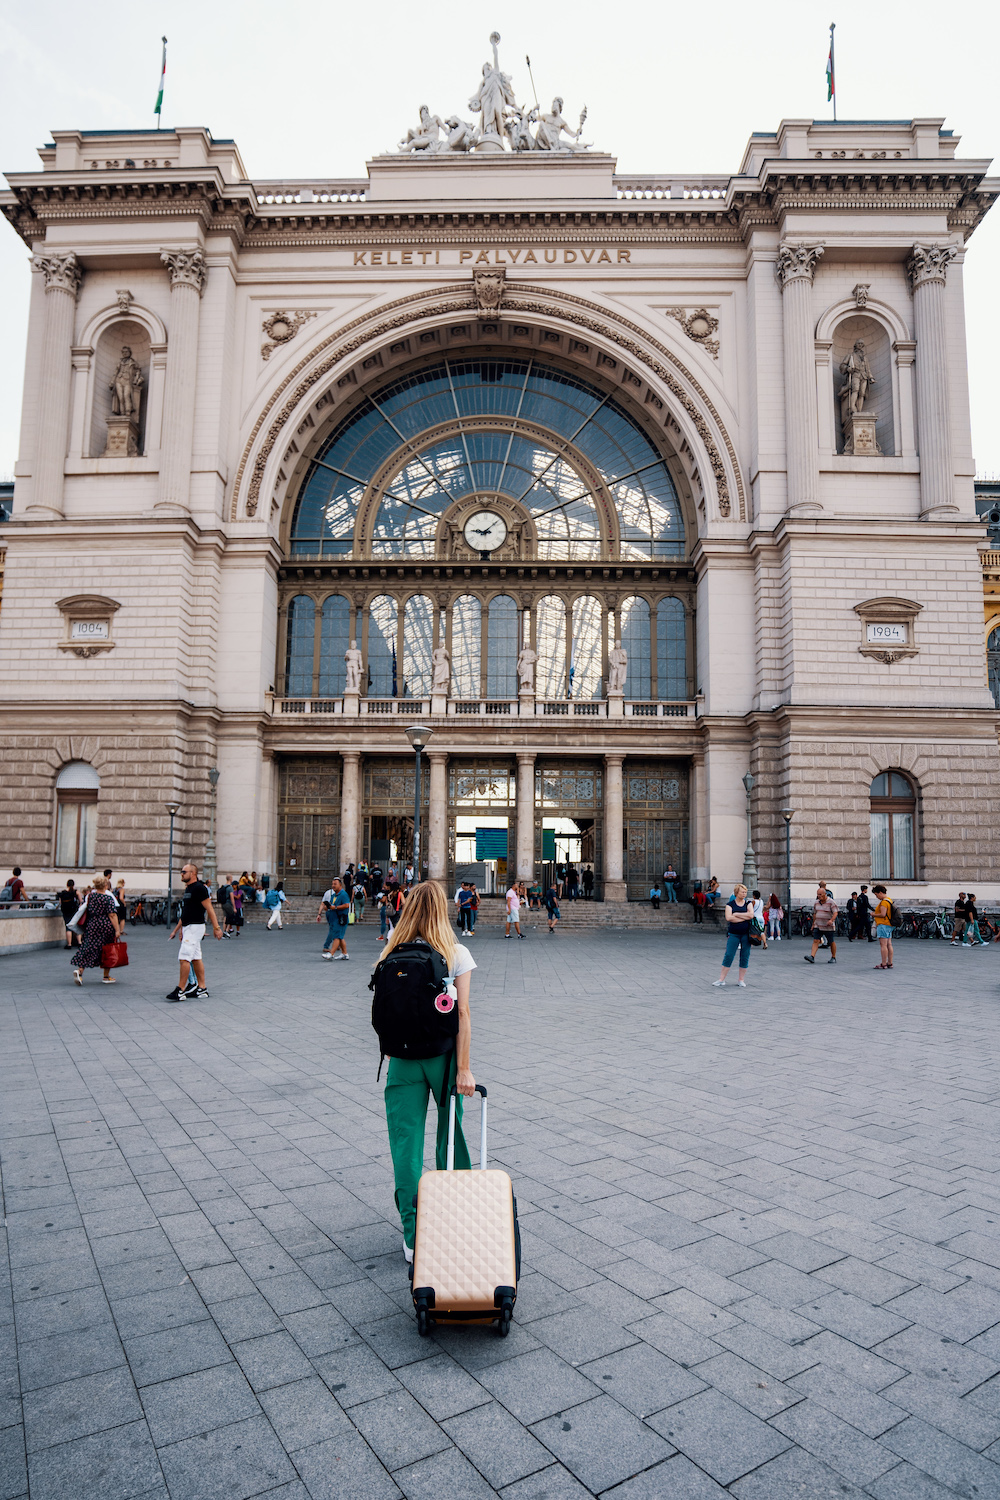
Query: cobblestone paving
[761,1230]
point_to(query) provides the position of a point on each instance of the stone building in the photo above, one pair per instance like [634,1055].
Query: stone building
[487,414]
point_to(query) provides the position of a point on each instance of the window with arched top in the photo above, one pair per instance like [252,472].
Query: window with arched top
[550,644]
[502,648]
[383,622]
[893,817]
[586,670]
[993,663]
[671,649]
[77,788]
[334,639]
[299,644]
[466,645]
[418,646]
[634,632]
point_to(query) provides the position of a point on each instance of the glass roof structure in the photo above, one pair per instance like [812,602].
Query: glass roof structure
[486,428]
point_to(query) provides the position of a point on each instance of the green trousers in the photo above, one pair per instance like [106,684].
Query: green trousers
[407,1087]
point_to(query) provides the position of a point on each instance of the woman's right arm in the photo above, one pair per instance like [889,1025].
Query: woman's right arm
[464,1080]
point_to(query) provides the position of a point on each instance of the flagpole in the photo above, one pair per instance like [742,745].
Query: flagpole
[833,70]
[163,73]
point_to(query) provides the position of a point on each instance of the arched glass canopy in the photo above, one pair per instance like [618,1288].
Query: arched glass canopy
[478,427]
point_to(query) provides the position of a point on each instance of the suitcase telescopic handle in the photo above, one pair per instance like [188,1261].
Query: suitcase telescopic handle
[451,1129]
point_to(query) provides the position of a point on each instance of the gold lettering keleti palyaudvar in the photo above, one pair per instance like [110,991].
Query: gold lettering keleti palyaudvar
[505,255]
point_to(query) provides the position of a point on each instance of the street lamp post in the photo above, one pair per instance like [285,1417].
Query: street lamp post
[788,813]
[418,735]
[210,873]
[172,810]
[749,858]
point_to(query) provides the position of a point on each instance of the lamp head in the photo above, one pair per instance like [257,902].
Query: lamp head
[787,813]
[748,783]
[418,735]
[213,777]
[172,807]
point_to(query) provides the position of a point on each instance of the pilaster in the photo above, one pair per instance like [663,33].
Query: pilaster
[188,273]
[63,274]
[795,268]
[927,269]
[437,816]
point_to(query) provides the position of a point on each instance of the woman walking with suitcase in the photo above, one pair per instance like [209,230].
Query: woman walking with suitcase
[422,941]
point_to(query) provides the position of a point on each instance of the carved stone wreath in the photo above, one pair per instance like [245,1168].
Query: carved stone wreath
[281,328]
[421,306]
[699,325]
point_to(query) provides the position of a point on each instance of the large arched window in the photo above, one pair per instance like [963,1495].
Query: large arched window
[550,644]
[557,447]
[993,663]
[502,647]
[383,620]
[893,814]
[77,788]
[671,650]
[418,644]
[334,639]
[299,646]
[586,671]
[634,631]
[466,646]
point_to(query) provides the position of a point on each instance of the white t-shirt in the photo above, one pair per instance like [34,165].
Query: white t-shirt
[513,902]
[463,963]
[758,909]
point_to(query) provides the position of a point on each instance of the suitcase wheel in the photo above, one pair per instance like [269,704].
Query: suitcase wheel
[503,1298]
[503,1326]
[423,1322]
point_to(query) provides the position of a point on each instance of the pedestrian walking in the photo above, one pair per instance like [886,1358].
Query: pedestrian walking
[572,883]
[513,900]
[552,906]
[13,891]
[424,938]
[758,936]
[654,895]
[698,903]
[359,895]
[224,897]
[588,882]
[101,926]
[960,920]
[866,922]
[196,912]
[884,915]
[273,902]
[69,904]
[474,909]
[237,896]
[327,909]
[465,907]
[973,937]
[670,884]
[739,915]
[852,916]
[824,925]
[775,914]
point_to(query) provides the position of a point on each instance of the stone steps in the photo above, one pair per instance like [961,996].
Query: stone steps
[585,915]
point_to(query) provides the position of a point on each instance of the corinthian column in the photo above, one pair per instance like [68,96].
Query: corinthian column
[795,269]
[927,269]
[187,282]
[63,274]
[437,816]
[526,815]
[350,809]
[615,888]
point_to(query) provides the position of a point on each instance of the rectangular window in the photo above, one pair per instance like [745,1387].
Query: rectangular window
[880,845]
[902,846]
[76,828]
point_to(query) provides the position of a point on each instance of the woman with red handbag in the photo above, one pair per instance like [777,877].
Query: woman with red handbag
[101,928]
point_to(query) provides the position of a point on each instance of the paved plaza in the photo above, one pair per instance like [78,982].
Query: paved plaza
[761,1230]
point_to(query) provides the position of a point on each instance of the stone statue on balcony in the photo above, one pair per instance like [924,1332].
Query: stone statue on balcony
[426,137]
[126,387]
[492,97]
[617,670]
[858,380]
[526,669]
[352,656]
[548,136]
[441,664]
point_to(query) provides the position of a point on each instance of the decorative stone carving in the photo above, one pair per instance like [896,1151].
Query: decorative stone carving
[125,300]
[426,136]
[186,267]
[281,328]
[699,325]
[87,624]
[552,126]
[488,289]
[441,666]
[860,293]
[352,656]
[617,670]
[493,96]
[526,670]
[859,425]
[126,386]
[929,263]
[888,628]
[62,272]
[797,263]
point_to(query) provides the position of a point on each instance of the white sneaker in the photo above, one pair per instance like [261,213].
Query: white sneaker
[741,985]
[407,1253]
[720,984]
[327,955]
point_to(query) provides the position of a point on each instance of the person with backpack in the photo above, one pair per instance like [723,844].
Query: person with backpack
[421,984]
[273,902]
[335,906]
[13,891]
[972,933]
[885,919]
[69,902]
[359,895]
[552,905]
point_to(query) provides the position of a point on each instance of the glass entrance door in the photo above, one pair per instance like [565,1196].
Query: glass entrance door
[656,824]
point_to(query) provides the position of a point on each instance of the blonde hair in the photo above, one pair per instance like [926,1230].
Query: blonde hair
[100,882]
[424,915]
[741,887]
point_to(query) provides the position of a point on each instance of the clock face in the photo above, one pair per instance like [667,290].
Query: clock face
[485,531]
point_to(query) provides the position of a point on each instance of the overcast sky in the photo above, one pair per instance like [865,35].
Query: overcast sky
[308,90]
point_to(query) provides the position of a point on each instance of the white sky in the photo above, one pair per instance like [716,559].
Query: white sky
[312,90]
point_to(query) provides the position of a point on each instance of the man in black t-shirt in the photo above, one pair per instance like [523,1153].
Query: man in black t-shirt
[196,911]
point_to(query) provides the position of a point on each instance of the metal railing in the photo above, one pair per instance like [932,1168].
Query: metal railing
[578,708]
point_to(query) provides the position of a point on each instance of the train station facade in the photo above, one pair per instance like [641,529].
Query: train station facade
[623,486]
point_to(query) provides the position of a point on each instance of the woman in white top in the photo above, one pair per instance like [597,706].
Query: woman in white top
[758,916]
[410,1082]
[513,912]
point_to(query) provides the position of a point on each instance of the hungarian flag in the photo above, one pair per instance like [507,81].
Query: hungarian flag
[830,84]
[163,74]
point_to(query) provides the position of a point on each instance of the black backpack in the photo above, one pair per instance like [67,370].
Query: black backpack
[412,1012]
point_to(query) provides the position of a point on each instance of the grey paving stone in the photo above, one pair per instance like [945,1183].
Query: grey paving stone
[857,1404]
[233,1462]
[959,1416]
[581,1334]
[779,1283]
[719,1435]
[674,1479]
[177,1351]
[773,1355]
[355,1374]
[536,1385]
[153,1312]
[223,1283]
[942,1458]
[398,1430]
[448,1473]
[443,1388]
[64,1356]
[117,1465]
[63,1312]
[601,1443]
[191,1404]
[745,1383]
[961,1315]
[13,1464]
[853,1318]
[77,1408]
[904,1482]
[245,1318]
[938,1358]
[497,1444]
[642,1379]
[304,1413]
[345,1468]
[793,1476]
[396,1340]
[272,1359]
[842,1447]
[800,1251]
[674,1339]
[553,1483]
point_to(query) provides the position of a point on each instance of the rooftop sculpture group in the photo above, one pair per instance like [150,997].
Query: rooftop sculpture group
[503,123]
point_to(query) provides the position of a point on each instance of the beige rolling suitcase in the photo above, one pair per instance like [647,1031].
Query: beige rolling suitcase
[467,1253]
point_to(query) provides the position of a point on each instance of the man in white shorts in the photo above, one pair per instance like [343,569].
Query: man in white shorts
[513,912]
[196,912]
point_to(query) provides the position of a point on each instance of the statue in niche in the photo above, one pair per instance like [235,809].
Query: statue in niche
[548,136]
[617,669]
[526,669]
[441,664]
[352,656]
[491,98]
[858,381]
[126,387]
